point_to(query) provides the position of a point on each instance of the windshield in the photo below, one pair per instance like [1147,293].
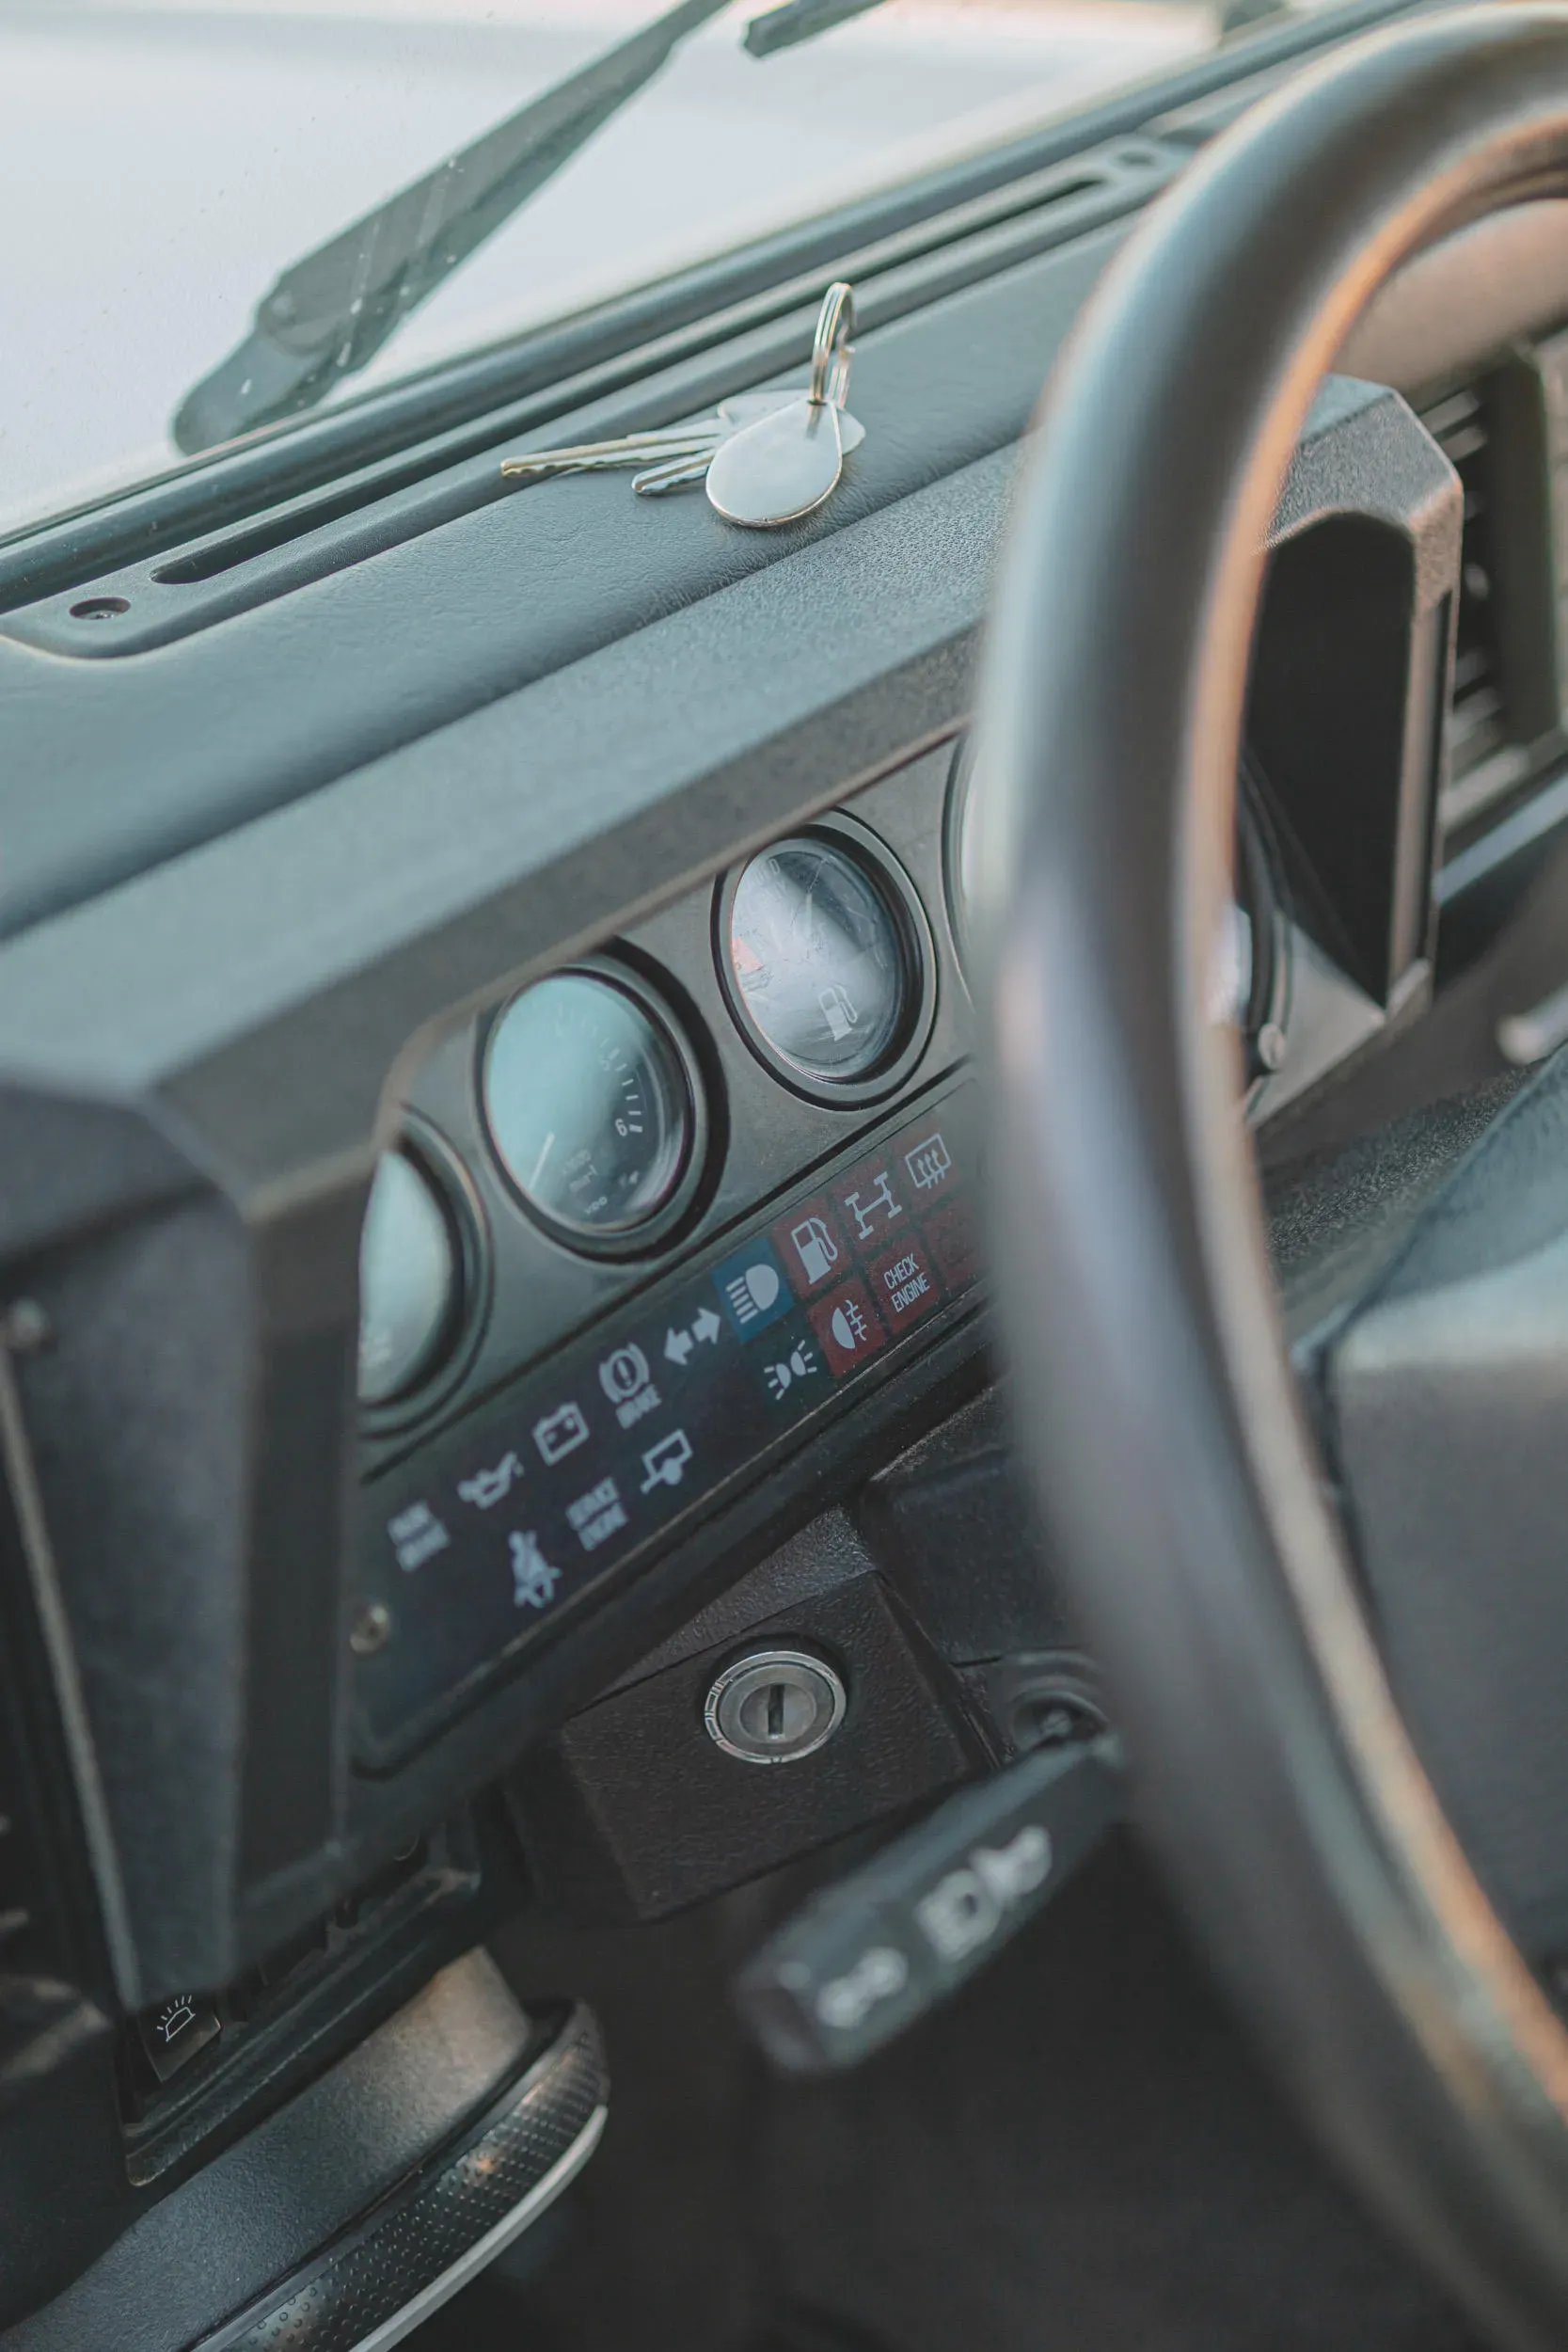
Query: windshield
[181,176]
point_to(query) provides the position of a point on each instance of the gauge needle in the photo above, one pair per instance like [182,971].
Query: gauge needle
[544,1150]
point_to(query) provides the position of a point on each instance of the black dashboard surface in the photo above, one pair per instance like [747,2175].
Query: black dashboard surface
[389,771]
[300,1693]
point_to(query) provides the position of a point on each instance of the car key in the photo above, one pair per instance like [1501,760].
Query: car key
[785,464]
[787,447]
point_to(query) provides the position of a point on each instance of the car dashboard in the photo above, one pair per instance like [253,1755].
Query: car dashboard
[493,1101]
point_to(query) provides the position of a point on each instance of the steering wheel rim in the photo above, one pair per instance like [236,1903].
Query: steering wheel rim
[1158,1411]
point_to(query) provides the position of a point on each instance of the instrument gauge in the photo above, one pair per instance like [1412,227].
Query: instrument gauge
[1251,967]
[825,958]
[410,1280]
[591,1106]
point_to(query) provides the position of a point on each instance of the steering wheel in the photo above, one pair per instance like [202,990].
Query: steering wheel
[1334,1612]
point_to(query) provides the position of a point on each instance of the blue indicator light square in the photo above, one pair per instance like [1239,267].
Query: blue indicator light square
[753,1287]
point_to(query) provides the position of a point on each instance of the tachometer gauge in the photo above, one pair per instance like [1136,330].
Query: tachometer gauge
[591,1106]
[823,951]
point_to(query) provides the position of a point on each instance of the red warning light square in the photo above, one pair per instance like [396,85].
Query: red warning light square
[847,1325]
[811,1242]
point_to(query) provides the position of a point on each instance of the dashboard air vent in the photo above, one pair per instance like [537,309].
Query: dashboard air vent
[1482,763]
[1501,431]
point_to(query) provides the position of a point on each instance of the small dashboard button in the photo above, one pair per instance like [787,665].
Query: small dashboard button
[172,2034]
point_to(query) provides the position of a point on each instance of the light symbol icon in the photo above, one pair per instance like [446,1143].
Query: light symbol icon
[850,1327]
[798,1365]
[752,1291]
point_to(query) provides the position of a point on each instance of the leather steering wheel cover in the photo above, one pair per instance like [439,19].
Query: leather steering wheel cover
[1155,1405]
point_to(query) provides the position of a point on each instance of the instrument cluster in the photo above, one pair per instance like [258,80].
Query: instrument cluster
[568,1143]
[654,1219]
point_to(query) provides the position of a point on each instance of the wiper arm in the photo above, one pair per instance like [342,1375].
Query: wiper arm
[329,313]
[801,19]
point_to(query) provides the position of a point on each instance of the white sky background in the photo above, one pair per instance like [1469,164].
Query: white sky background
[159,166]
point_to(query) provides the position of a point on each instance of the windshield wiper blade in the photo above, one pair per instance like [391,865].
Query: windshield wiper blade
[801,19]
[330,312]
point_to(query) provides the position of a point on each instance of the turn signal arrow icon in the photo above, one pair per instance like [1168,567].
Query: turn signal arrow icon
[678,1345]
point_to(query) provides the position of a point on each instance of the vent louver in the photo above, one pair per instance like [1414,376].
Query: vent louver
[1482,761]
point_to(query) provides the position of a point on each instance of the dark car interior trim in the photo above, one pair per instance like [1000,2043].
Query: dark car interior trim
[391,747]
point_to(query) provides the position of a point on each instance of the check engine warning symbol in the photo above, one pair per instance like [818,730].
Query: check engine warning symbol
[417,1535]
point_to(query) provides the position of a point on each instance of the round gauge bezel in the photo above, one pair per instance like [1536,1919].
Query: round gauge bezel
[918,1012]
[458,1198]
[959,777]
[650,1233]
[1259,875]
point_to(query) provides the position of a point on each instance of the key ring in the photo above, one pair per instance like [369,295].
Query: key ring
[769,457]
[832,351]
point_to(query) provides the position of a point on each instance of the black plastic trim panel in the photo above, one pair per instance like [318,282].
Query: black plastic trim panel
[222,1042]
[432,2234]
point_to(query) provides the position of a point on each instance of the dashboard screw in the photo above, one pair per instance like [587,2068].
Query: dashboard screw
[25,1328]
[1271,1045]
[372,1630]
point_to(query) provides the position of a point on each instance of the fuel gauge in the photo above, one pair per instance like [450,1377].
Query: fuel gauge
[825,958]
